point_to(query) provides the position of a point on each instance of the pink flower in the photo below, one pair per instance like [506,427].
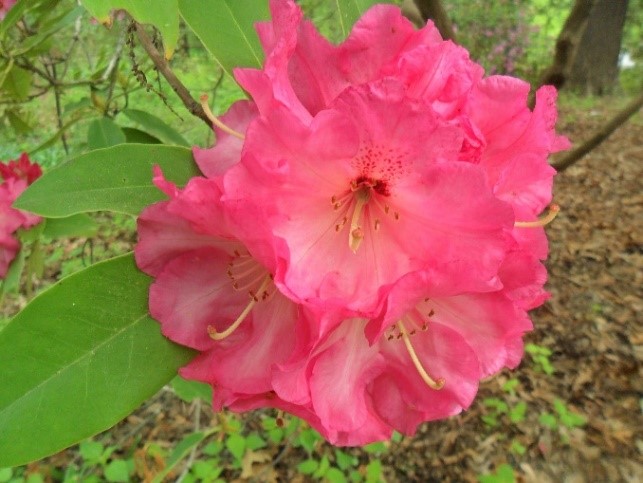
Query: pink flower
[17,175]
[210,293]
[5,6]
[366,241]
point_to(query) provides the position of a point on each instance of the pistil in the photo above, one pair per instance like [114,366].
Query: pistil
[356,233]
[432,383]
[554,209]
[215,120]
[254,298]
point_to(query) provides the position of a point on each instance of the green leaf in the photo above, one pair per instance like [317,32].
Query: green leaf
[226,28]
[19,125]
[191,390]
[376,448]
[79,358]
[307,467]
[164,17]
[91,451]
[255,442]
[334,475]
[156,127]
[117,471]
[518,412]
[11,280]
[5,474]
[323,467]
[236,444]
[104,133]
[17,83]
[518,448]
[549,420]
[350,10]
[374,472]
[344,460]
[113,179]
[136,136]
[80,225]
[181,451]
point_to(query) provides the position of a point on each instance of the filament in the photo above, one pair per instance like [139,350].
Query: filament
[432,383]
[554,209]
[216,121]
[212,332]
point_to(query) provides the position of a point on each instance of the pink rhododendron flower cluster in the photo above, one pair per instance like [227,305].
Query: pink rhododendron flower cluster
[5,6]
[365,242]
[16,176]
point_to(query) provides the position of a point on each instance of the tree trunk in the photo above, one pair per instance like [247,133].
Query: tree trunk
[595,66]
[567,43]
[434,10]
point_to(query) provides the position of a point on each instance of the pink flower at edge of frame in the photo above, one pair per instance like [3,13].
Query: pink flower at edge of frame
[17,175]
[5,6]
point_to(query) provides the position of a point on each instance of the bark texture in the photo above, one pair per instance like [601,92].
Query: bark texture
[595,66]
[434,10]
[567,44]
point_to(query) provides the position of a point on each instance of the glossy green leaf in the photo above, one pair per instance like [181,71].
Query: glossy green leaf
[226,28]
[350,10]
[133,135]
[79,358]
[104,133]
[165,16]
[70,226]
[113,179]
[191,390]
[156,127]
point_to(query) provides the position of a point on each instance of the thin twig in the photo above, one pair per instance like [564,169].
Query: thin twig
[163,67]
[600,135]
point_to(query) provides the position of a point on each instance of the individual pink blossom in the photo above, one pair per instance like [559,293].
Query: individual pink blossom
[386,199]
[212,295]
[5,6]
[17,175]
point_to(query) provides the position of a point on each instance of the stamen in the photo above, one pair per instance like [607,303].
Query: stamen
[356,234]
[212,332]
[554,209]
[432,383]
[216,121]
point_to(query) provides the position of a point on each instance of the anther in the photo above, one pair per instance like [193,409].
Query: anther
[432,383]
[554,209]
[216,121]
[431,313]
[377,225]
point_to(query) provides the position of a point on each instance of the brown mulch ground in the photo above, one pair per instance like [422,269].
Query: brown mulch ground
[592,325]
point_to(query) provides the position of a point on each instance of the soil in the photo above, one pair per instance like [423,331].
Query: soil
[591,324]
